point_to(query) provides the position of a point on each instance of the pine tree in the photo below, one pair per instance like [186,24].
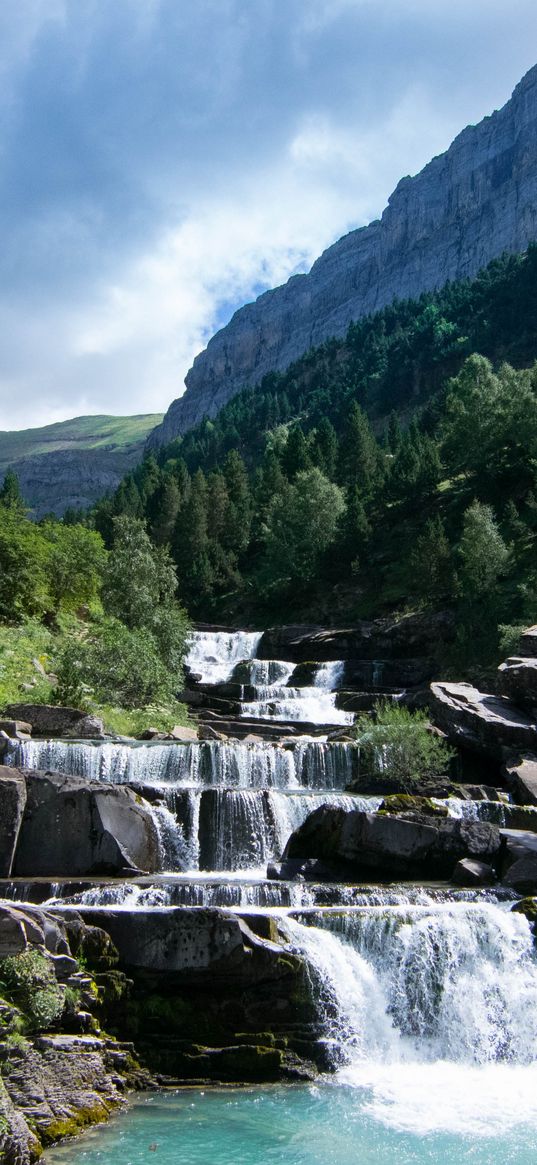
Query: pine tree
[295,456]
[324,448]
[360,456]
[10,494]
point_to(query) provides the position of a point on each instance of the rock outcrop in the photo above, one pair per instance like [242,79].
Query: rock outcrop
[465,208]
[482,722]
[385,846]
[71,826]
[54,720]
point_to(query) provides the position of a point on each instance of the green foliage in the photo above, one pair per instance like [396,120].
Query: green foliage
[301,524]
[30,982]
[397,747]
[482,552]
[20,646]
[114,663]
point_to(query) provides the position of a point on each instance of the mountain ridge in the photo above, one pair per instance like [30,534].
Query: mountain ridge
[466,207]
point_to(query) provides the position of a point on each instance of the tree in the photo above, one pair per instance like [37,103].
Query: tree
[324,448]
[431,568]
[398,748]
[239,514]
[162,509]
[295,456]
[360,456]
[483,554]
[75,564]
[301,524]
[10,494]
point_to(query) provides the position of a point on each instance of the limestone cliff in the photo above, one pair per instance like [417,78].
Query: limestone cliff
[466,207]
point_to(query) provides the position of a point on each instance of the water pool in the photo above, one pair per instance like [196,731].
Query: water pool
[328,1124]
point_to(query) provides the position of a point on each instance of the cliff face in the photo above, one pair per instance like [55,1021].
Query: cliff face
[466,207]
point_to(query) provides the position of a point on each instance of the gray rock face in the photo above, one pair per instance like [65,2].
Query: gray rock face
[481,722]
[12,802]
[466,207]
[393,846]
[72,826]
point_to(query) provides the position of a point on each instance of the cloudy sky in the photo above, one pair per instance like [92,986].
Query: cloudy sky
[164,161]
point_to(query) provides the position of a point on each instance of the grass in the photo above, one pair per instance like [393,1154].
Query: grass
[25,649]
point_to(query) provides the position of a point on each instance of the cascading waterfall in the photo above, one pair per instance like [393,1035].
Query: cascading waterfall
[313,704]
[311,764]
[431,1010]
[213,654]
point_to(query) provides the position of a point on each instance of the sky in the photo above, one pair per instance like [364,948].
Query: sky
[164,161]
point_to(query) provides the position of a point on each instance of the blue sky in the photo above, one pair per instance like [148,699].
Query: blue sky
[163,161]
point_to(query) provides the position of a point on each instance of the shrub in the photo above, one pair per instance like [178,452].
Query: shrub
[398,747]
[31,983]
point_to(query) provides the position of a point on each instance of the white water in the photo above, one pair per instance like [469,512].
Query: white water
[431,1011]
[314,704]
[307,764]
[214,654]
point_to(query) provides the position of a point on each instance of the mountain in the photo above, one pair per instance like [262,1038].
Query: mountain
[73,463]
[465,208]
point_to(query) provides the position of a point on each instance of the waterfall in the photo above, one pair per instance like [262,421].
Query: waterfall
[311,764]
[213,654]
[427,983]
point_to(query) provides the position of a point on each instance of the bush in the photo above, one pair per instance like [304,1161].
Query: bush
[31,983]
[397,746]
[116,665]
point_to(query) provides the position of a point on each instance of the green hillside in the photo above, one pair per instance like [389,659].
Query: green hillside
[100,432]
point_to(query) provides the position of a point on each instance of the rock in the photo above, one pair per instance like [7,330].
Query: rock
[522,875]
[392,846]
[206,732]
[466,207]
[52,720]
[517,679]
[12,803]
[73,827]
[201,944]
[468,872]
[527,907]
[380,643]
[184,733]
[527,646]
[521,776]
[407,803]
[481,722]
[16,729]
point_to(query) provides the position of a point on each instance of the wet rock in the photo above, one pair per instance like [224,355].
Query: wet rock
[522,875]
[481,722]
[469,872]
[12,803]
[392,846]
[73,827]
[52,720]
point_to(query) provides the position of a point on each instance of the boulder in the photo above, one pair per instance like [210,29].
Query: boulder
[73,827]
[12,803]
[517,679]
[469,872]
[521,776]
[183,733]
[522,875]
[412,637]
[481,722]
[392,846]
[527,646]
[52,720]
[16,729]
